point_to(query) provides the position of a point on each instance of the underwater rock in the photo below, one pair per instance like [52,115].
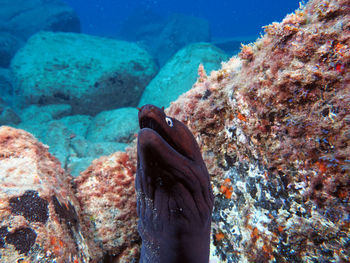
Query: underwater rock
[59,138]
[105,74]
[118,125]
[163,37]
[40,216]
[24,18]
[98,149]
[180,72]
[82,152]
[180,30]
[232,45]
[54,134]
[141,26]
[78,124]
[78,164]
[9,44]
[273,125]
[107,195]
[8,116]
[40,114]
[76,140]
[6,87]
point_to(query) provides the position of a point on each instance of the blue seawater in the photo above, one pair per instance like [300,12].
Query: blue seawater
[227,18]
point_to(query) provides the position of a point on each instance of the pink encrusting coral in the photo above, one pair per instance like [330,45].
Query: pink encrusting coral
[106,193]
[295,92]
[39,214]
[274,128]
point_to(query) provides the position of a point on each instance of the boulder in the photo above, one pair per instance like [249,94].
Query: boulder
[142,25]
[180,72]
[78,124]
[58,137]
[104,75]
[39,211]
[39,114]
[76,165]
[179,31]
[6,87]
[80,148]
[53,133]
[83,152]
[24,18]
[9,44]
[118,125]
[163,37]
[8,116]
[107,195]
[273,125]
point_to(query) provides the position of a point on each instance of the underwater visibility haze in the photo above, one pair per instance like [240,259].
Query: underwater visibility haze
[174,131]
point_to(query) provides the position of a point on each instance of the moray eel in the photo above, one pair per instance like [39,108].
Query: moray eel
[174,196]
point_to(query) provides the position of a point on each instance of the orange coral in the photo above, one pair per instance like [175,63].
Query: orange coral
[226,188]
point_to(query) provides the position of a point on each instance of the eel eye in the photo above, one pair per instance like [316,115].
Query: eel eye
[169,121]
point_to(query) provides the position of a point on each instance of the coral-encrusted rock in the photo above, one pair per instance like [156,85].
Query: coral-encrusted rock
[274,129]
[39,214]
[106,194]
[105,74]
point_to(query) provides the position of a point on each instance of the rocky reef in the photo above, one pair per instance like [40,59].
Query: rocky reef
[273,125]
[106,193]
[40,215]
[48,217]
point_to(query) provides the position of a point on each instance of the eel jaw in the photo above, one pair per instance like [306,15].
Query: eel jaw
[153,124]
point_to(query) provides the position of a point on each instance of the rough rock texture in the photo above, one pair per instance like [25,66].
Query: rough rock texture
[20,19]
[232,45]
[274,129]
[6,87]
[9,44]
[39,214]
[106,194]
[163,37]
[78,124]
[180,72]
[42,114]
[118,125]
[105,74]
[76,140]
[82,152]
[8,116]
[24,18]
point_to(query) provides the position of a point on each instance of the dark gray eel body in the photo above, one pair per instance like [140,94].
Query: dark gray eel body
[174,196]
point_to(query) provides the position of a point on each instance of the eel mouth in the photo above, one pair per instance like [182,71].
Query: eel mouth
[151,123]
